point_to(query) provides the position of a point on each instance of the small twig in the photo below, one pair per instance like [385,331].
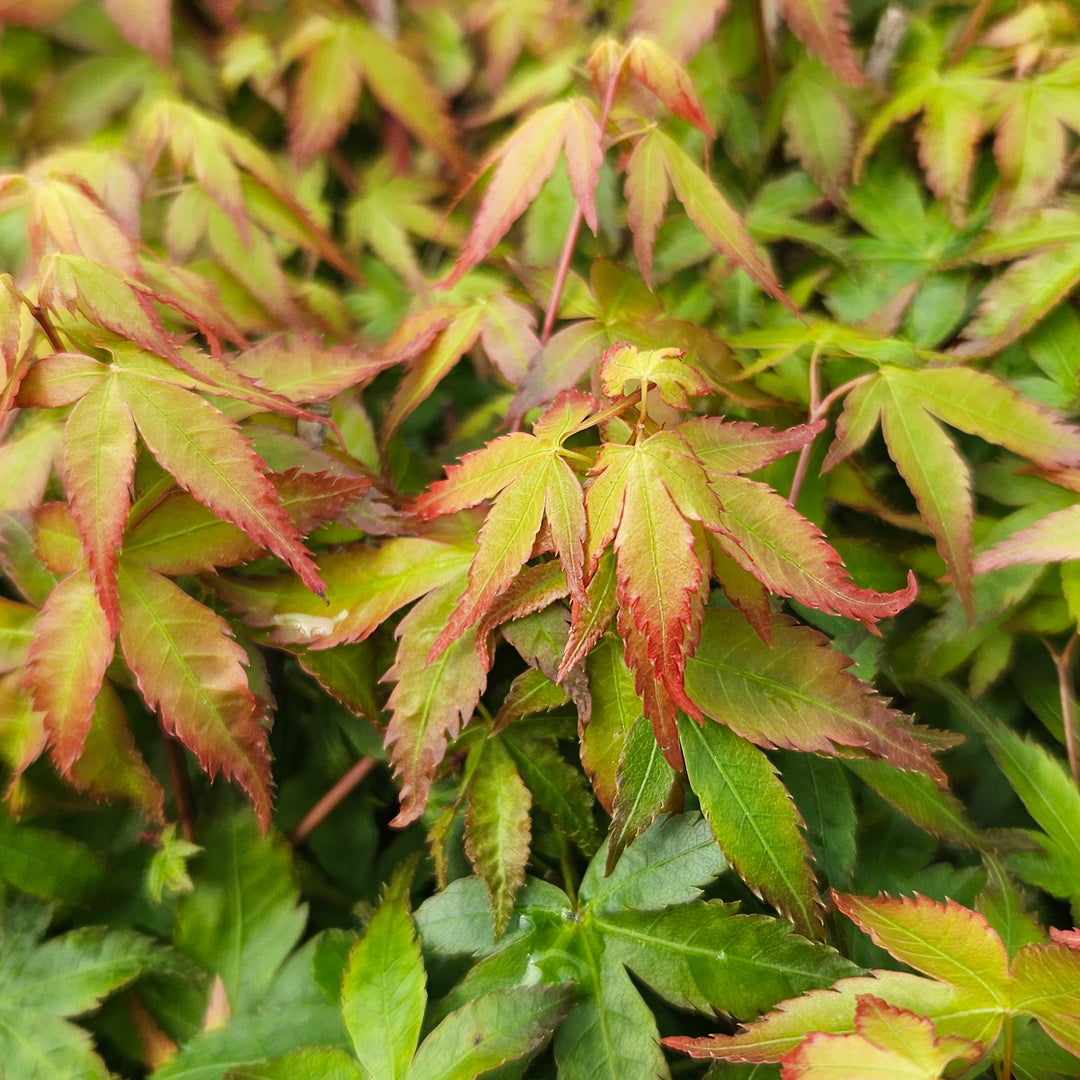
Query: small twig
[971,30]
[329,802]
[764,47]
[1063,663]
[803,462]
[181,785]
[563,269]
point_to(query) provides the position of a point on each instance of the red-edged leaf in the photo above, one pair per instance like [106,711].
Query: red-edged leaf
[22,733]
[945,941]
[147,24]
[188,667]
[1054,538]
[431,699]
[509,337]
[1071,938]
[770,539]
[590,619]
[60,379]
[210,457]
[525,160]
[796,693]
[625,369]
[72,648]
[642,497]
[99,463]
[532,590]
[657,69]
[118,303]
[325,94]
[110,765]
[738,447]
[715,218]
[887,1042]
[647,192]
[27,458]
[681,26]
[822,26]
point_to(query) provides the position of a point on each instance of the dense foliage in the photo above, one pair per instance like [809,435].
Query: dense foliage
[539,539]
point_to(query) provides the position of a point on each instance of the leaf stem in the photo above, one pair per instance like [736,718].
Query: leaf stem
[764,48]
[330,801]
[181,785]
[563,269]
[1063,663]
[1007,1050]
[41,317]
[803,462]
[971,30]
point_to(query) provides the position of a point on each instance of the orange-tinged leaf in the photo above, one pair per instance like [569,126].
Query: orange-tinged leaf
[822,26]
[525,160]
[110,765]
[788,553]
[657,69]
[72,648]
[738,447]
[431,700]
[99,463]
[715,218]
[428,369]
[1029,149]
[945,941]
[325,94]
[953,1011]
[403,90]
[60,379]
[888,1044]
[644,497]
[208,456]
[147,24]
[796,693]
[1047,980]
[820,127]
[624,369]
[647,192]
[188,667]
[118,303]
[26,460]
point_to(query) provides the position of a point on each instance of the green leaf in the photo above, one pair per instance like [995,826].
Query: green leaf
[497,828]
[667,864]
[823,796]
[610,1033]
[753,819]
[796,694]
[242,920]
[48,864]
[383,995]
[489,1031]
[643,786]
[705,957]
[311,1063]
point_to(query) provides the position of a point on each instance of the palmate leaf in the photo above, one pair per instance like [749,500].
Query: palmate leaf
[187,665]
[822,26]
[529,481]
[887,1043]
[643,499]
[909,404]
[524,161]
[796,694]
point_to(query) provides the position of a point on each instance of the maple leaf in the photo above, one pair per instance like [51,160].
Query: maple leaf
[908,403]
[525,159]
[529,481]
[886,1042]
[822,26]
[643,499]
[765,535]
[658,160]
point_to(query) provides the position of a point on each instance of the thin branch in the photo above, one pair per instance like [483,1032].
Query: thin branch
[971,30]
[803,463]
[765,44]
[181,785]
[329,802]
